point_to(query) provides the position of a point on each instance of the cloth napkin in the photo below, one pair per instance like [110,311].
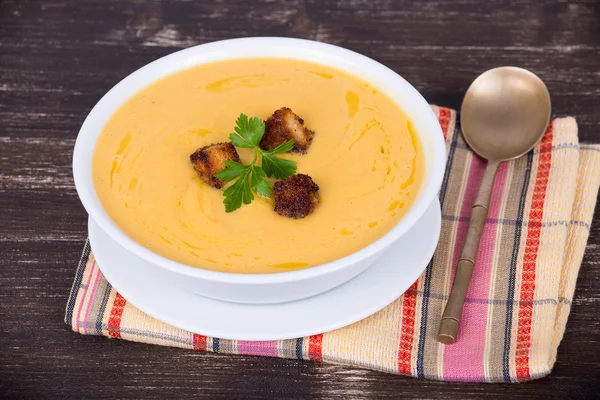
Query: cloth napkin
[517,305]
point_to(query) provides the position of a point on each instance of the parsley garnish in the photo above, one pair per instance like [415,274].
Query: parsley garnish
[252,178]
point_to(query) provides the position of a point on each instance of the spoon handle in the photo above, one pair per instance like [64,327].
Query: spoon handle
[464,269]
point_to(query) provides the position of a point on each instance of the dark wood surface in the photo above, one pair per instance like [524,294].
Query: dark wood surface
[57,58]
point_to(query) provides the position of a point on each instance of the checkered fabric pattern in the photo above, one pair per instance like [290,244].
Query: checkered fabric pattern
[517,305]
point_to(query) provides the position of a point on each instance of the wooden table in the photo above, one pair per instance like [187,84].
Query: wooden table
[57,58]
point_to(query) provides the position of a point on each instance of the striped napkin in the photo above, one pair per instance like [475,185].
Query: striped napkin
[517,305]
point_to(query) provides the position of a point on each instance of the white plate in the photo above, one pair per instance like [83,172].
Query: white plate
[143,286]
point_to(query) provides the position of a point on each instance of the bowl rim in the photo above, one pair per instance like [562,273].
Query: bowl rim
[306,50]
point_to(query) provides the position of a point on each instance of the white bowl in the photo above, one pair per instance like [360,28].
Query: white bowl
[284,286]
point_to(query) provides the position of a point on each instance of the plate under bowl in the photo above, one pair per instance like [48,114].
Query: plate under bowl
[352,301]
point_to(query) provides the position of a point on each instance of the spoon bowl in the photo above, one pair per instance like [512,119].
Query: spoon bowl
[505,113]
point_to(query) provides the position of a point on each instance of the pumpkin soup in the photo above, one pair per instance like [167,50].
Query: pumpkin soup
[365,157]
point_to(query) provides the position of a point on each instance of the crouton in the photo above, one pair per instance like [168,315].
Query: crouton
[209,160]
[296,196]
[284,125]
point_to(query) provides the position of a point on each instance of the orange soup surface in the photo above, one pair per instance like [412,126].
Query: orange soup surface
[365,157]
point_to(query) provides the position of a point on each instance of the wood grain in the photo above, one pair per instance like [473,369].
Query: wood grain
[57,58]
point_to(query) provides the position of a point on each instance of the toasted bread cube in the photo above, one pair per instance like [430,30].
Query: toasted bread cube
[209,160]
[296,196]
[284,125]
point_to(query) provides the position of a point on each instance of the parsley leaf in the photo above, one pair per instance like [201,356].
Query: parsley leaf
[252,178]
[237,193]
[233,170]
[259,184]
[282,148]
[248,132]
[277,167]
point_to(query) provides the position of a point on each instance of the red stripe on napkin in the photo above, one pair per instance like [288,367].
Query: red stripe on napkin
[199,342]
[407,330]
[116,312]
[315,348]
[530,255]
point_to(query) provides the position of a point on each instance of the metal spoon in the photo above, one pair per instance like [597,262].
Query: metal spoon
[504,114]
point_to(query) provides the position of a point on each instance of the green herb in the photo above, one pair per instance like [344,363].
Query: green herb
[252,178]
[278,167]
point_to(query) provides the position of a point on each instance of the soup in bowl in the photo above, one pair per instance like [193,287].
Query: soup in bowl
[375,157]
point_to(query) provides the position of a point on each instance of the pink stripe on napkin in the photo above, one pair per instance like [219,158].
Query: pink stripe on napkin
[464,359]
[258,348]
